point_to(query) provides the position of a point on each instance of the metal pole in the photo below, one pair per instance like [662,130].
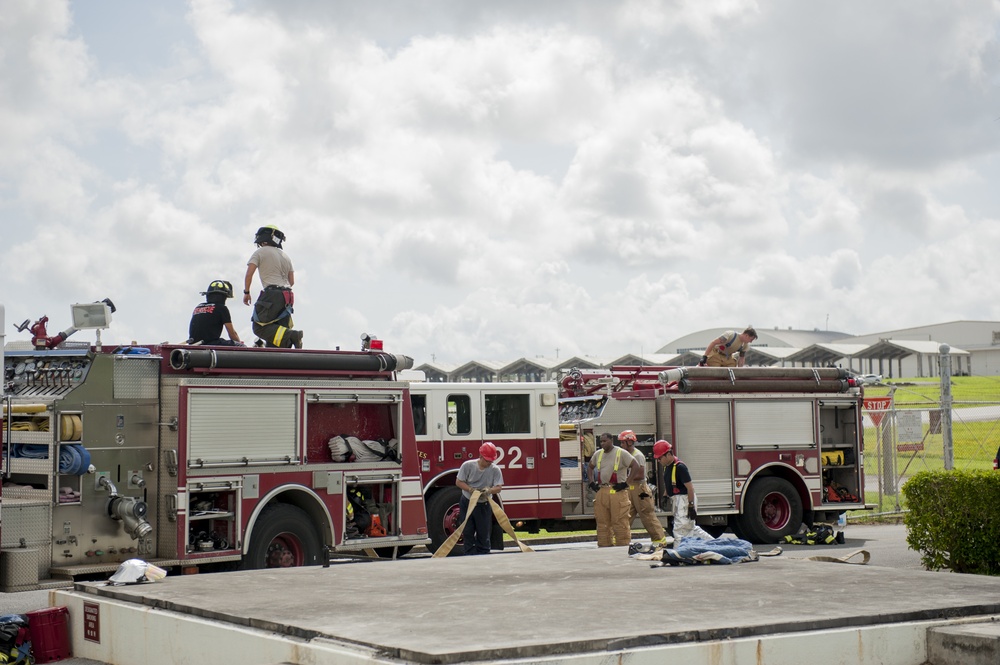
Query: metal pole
[946,439]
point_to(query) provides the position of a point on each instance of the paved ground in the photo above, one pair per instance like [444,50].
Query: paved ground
[886,543]
[553,602]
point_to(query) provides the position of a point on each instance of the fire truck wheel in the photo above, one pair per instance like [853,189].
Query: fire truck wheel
[773,510]
[443,517]
[284,537]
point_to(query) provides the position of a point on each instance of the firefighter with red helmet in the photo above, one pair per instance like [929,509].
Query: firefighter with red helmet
[612,470]
[639,494]
[479,474]
[678,486]
[272,313]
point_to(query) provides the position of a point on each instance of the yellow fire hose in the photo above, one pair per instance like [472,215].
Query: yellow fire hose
[498,514]
[26,408]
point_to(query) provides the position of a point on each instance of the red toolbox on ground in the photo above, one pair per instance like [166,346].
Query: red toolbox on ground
[49,634]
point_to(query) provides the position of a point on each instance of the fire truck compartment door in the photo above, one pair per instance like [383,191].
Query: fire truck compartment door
[231,425]
[703,439]
[774,425]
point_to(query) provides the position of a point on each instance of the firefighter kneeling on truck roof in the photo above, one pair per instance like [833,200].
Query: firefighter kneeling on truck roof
[640,497]
[272,313]
[613,470]
[678,486]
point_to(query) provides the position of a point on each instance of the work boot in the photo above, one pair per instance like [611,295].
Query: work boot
[296,337]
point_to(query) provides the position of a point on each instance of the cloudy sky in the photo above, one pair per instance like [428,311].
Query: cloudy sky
[482,179]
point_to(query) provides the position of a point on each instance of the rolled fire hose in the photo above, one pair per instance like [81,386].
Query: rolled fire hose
[501,519]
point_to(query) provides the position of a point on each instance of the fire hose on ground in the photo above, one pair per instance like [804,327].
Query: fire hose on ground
[498,514]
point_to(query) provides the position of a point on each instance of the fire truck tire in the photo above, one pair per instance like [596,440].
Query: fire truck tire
[443,517]
[773,510]
[284,537]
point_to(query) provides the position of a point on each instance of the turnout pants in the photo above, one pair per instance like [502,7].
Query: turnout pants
[644,509]
[611,513]
[684,526]
[720,360]
[272,319]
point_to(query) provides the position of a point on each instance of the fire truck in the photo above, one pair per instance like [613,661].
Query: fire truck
[191,457]
[768,448]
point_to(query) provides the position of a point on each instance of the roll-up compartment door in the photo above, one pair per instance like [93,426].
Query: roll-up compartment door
[774,425]
[230,425]
[703,440]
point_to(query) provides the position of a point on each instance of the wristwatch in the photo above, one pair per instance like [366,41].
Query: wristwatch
[247,292]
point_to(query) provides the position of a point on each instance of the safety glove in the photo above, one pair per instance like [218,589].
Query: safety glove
[704,361]
[643,495]
[618,487]
[692,513]
[594,486]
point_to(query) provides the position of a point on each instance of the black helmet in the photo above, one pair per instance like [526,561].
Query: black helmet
[269,235]
[219,286]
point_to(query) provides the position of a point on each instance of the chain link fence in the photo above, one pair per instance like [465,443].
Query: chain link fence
[906,431]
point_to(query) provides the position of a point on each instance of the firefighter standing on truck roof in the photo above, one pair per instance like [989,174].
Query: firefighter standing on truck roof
[721,352]
[678,486]
[272,313]
[640,497]
[479,474]
[612,469]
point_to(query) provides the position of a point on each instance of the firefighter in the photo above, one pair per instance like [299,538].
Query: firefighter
[272,313]
[481,474]
[640,497]
[612,470]
[721,352]
[211,316]
[678,486]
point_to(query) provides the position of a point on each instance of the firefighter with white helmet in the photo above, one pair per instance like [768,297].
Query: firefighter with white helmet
[210,317]
[613,470]
[272,313]
[639,494]
[479,474]
[678,486]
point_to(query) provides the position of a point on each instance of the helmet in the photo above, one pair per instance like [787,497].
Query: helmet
[627,435]
[488,451]
[269,234]
[661,448]
[219,286]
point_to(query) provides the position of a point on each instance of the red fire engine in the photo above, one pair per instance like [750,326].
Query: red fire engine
[194,456]
[768,448]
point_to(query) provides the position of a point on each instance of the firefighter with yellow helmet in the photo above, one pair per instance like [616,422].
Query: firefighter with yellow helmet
[639,494]
[272,313]
[612,470]
[212,316]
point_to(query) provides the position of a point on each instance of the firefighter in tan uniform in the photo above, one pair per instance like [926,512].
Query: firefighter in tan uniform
[723,350]
[613,470]
[640,498]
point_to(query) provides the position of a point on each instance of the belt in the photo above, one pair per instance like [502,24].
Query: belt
[271,287]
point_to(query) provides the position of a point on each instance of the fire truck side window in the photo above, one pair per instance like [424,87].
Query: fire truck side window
[508,414]
[419,405]
[459,414]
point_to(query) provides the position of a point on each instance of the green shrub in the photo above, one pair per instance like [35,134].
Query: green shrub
[954,520]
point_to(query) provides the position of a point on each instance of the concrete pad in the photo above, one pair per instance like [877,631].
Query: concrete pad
[507,606]
[967,643]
